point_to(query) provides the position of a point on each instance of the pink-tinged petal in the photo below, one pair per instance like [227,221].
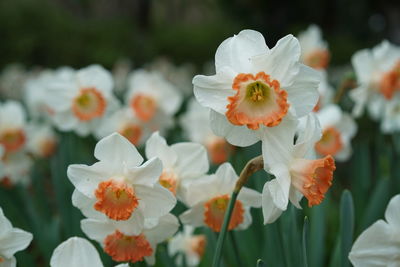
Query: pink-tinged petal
[269,209]
[236,52]
[192,159]
[156,201]
[194,216]
[213,91]
[156,146]
[118,152]
[392,213]
[75,252]
[235,135]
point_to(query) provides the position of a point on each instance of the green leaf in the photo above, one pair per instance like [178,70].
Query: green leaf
[304,242]
[346,227]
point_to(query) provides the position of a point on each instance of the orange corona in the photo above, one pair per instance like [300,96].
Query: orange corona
[313,178]
[330,143]
[258,101]
[132,132]
[214,212]
[197,245]
[144,106]
[115,199]
[219,150]
[127,248]
[89,104]
[390,82]
[12,139]
[318,59]
[169,180]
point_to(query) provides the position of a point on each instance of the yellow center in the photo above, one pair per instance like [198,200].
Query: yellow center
[257,91]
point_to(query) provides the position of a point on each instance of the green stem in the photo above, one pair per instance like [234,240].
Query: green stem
[251,167]
[235,248]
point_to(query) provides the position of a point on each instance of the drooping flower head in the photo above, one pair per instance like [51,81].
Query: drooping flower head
[208,200]
[196,124]
[123,247]
[12,240]
[296,174]
[120,187]
[256,87]
[182,162]
[189,245]
[12,126]
[80,99]
[314,50]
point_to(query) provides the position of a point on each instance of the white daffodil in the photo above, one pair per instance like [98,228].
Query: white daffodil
[12,240]
[149,94]
[16,169]
[75,252]
[131,248]
[118,186]
[42,140]
[125,122]
[391,117]
[182,162]
[80,100]
[187,245]
[12,126]
[379,244]
[196,125]
[338,128]
[314,50]
[378,77]
[208,199]
[255,87]
[295,174]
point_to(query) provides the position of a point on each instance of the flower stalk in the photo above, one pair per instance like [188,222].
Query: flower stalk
[251,167]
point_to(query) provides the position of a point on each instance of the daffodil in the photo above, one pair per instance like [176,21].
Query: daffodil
[12,240]
[12,126]
[16,169]
[208,200]
[314,50]
[120,187]
[42,140]
[379,244]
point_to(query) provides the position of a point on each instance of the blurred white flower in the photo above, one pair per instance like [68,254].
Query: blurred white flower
[295,173]
[378,77]
[188,245]
[42,140]
[209,196]
[379,244]
[133,248]
[12,240]
[81,99]
[119,186]
[338,128]
[182,163]
[391,116]
[16,169]
[196,125]
[314,50]
[12,126]
[326,92]
[75,252]
[149,94]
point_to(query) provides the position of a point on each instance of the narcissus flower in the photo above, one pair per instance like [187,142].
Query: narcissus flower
[149,94]
[12,126]
[218,148]
[338,128]
[42,140]
[12,240]
[124,247]
[120,186]
[208,199]
[255,87]
[81,100]
[378,76]
[295,174]
[16,169]
[379,244]
[188,245]
[314,50]
[75,252]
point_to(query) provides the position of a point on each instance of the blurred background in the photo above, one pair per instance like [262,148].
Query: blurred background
[77,33]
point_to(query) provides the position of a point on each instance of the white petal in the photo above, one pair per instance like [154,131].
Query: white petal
[200,189]
[194,216]
[235,135]
[5,224]
[270,211]
[12,262]
[95,76]
[347,126]
[363,65]
[96,229]
[116,150]
[236,51]
[277,142]
[86,205]
[156,146]
[280,186]
[308,136]
[250,197]
[213,91]
[14,241]
[392,213]
[166,228]
[226,179]
[133,226]
[157,200]
[146,174]
[360,97]
[329,116]
[75,252]
[192,159]
[345,153]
